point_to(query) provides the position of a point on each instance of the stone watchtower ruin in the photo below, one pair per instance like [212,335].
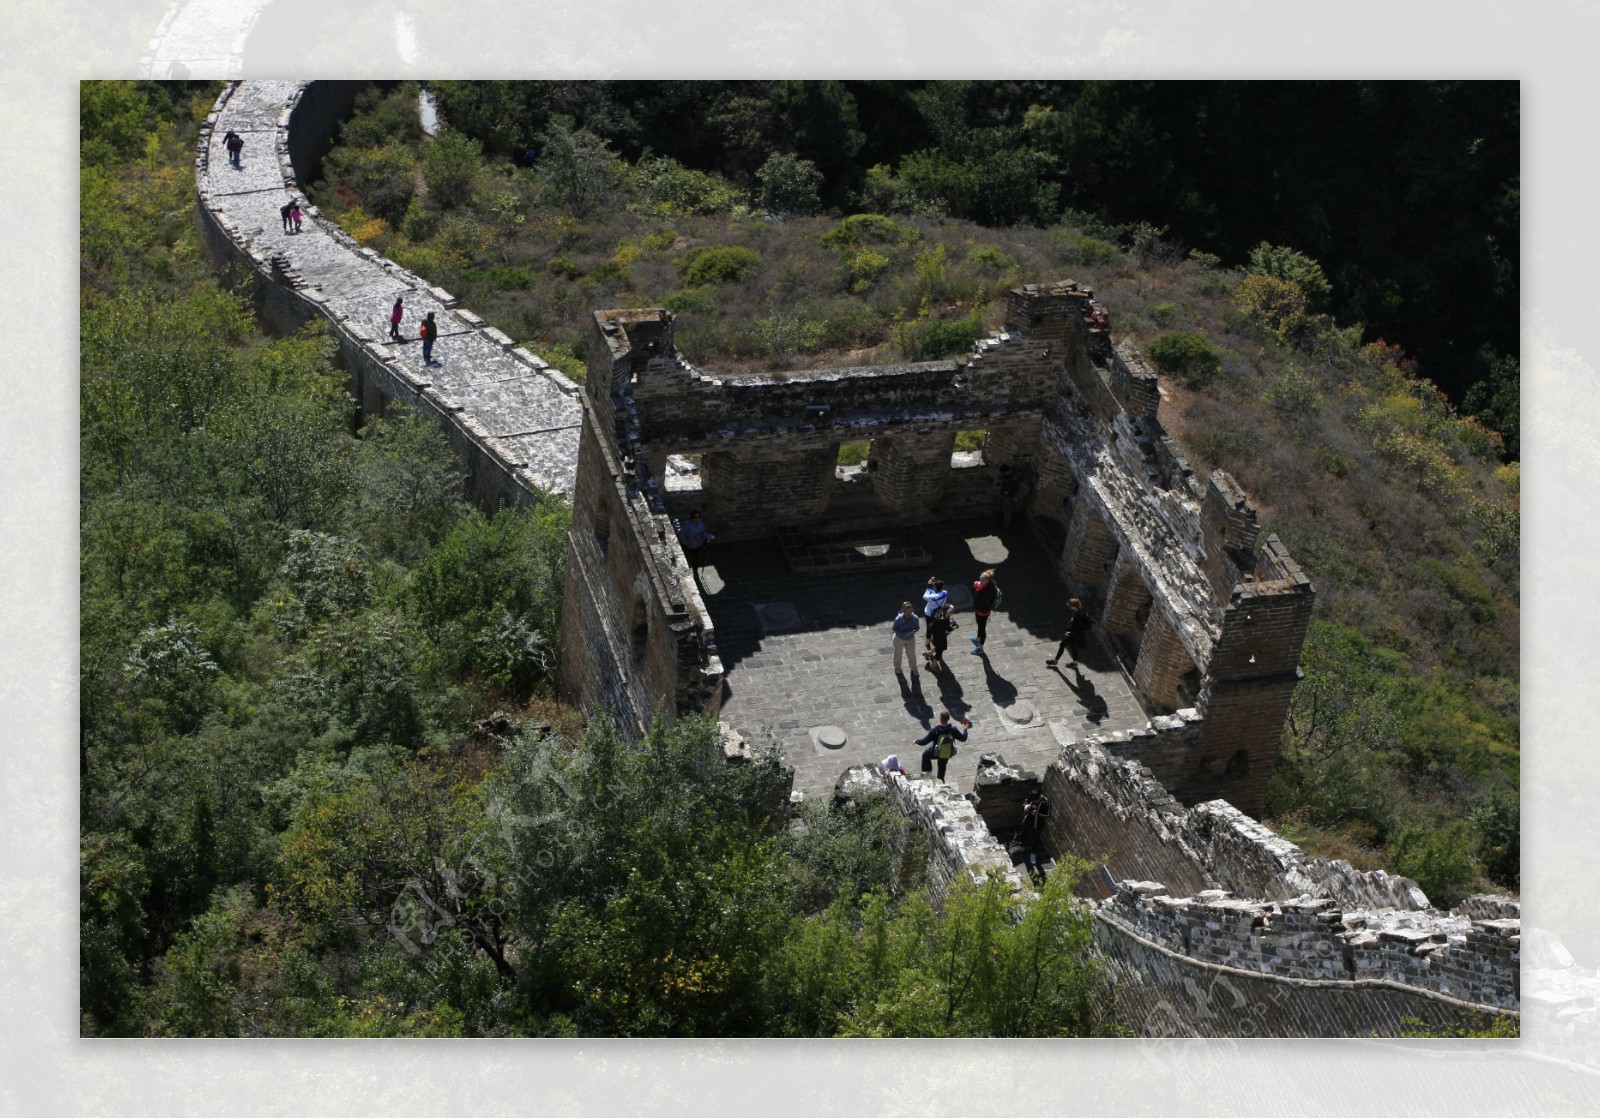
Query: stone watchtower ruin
[1208,618]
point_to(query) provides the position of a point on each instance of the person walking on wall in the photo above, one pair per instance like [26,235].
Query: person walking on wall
[235,144]
[939,627]
[398,313]
[295,215]
[934,597]
[1077,632]
[283,212]
[941,742]
[905,637]
[427,331]
[695,536]
[985,597]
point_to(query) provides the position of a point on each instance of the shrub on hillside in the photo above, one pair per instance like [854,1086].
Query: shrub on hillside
[870,229]
[1186,355]
[1439,859]
[1278,306]
[926,338]
[716,264]
[1284,263]
[789,185]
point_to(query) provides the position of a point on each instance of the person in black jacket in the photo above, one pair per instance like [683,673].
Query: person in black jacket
[985,597]
[939,627]
[1077,633]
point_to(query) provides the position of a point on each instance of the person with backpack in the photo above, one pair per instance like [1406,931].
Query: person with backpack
[235,144]
[941,742]
[427,332]
[985,597]
[395,316]
[1077,632]
[934,597]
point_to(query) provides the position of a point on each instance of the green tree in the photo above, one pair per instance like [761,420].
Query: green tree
[450,164]
[789,185]
[577,169]
[1283,263]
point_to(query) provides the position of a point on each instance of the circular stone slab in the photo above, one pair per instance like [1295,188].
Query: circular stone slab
[831,737]
[1020,711]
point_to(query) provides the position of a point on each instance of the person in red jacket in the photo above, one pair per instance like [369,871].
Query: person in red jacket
[428,331]
[394,319]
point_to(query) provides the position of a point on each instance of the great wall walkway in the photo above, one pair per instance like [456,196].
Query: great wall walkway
[504,399]
[508,408]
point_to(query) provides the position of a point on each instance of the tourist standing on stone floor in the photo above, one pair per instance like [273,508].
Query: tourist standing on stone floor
[1035,814]
[941,742]
[295,215]
[283,212]
[235,144]
[985,597]
[695,536]
[427,331]
[934,597]
[1077,633]
[905,637]
[939,627]
[395,316]
[1009,482]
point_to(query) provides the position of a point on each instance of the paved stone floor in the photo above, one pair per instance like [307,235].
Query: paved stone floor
[830,662]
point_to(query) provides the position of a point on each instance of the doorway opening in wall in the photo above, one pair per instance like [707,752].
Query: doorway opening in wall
[969,448]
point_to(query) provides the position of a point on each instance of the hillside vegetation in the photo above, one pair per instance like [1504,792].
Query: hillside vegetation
[1402,746]
[325,789]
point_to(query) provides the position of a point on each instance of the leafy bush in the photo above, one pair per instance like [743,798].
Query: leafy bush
[1293,396]
[863,267]
[691,301]
[1284,263]
[1187,356]
[1278,306]
[1439,859]
[671,189]
[782,335]
[927,338]
[561,266]
[870,229]
[449,164]
[789,185]
[716,264]
[511,277]
[1080,248]
[989,258]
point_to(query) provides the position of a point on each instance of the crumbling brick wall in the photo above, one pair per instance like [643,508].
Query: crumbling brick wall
[1169,568]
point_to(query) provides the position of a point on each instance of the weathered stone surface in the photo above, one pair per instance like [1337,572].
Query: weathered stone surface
[514,422]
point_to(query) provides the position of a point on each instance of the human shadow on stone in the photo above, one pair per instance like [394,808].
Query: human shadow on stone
[1094,704]
[912,698]
[1001,690]
[951,697]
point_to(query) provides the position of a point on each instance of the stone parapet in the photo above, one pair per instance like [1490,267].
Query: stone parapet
[1475,962]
